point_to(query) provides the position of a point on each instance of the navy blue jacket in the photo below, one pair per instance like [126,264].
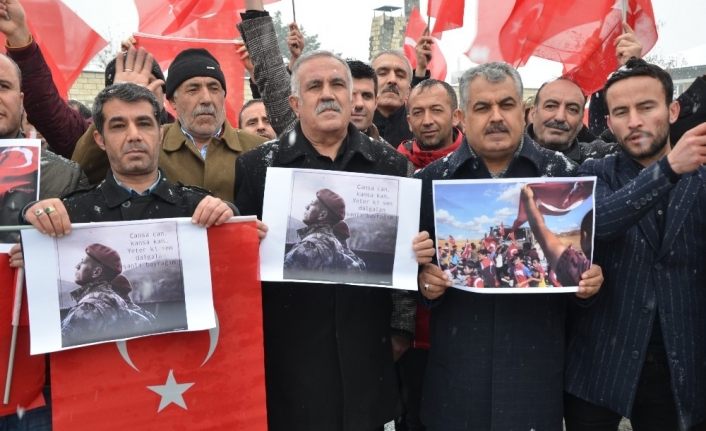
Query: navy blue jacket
[645,276]
[496,361]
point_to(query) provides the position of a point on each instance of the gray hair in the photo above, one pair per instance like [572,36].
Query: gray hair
[492,72]
[294,81]
[397,53]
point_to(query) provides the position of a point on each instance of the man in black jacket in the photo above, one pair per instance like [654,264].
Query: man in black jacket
[127,129]
[328,358]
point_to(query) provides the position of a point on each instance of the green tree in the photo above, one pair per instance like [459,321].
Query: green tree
[311,42]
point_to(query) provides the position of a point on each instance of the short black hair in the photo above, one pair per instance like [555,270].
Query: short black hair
[429,83]
[360,70]
[80,108]
[246,105]
[639,67]
[126,92]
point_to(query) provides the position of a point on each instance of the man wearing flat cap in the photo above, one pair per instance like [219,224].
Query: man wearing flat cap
[201,147]
[100,310]
[319,250]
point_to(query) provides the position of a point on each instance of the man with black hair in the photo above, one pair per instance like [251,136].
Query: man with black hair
[253,118]
[639,350]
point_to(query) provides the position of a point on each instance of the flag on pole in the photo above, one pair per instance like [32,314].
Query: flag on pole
[415,30]
[28,371]
[448,14]
[555,198]
[198,380]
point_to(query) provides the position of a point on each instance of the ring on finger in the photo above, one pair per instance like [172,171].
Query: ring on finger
[49,210]
[426,286]
[38,212]
[127,69]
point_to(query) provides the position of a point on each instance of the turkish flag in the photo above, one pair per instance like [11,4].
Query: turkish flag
[448,14]
[415,30]
[555,198]
[165,48]
[492,15]
[576,33]
[28,371]
[183,381]
[590,67]
[67,42]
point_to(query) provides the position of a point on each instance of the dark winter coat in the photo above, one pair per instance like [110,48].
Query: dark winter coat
[496,361]
[328,358]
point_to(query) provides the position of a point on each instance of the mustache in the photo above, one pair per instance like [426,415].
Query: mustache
[328,105]
[201,110]
[391,88]
[496,128]
[139,146]
[639,133]
[559,125]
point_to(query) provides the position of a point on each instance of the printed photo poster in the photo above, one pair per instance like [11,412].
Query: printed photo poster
[19,180]
[115,281]
[520,235]
[340,227]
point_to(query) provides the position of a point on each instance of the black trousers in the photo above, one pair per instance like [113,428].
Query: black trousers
[653,410]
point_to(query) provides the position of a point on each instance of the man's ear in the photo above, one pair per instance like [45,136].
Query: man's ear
[674,109]
[97,271]
[457,117]
[294,104]
[99,139]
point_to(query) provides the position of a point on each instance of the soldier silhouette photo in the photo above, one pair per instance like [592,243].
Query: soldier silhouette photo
[103,308]
[318,250]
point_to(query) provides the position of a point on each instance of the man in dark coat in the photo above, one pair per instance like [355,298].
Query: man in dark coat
[127,129]
[640,349]
[328,360]
[495,361]
[557,121]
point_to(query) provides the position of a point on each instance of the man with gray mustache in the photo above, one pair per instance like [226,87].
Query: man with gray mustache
[201,147]
[556,122]
[328,356]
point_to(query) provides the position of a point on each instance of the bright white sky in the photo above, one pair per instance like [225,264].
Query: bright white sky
[344,26]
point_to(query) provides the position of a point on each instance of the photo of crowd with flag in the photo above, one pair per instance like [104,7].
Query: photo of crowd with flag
[508,258]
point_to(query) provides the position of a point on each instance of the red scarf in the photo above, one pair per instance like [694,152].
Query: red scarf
[421,158]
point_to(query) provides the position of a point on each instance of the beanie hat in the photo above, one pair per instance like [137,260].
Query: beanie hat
[191,63]
[334,203]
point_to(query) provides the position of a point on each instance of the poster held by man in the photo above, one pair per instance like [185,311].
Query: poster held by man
[339,227]
[117,280]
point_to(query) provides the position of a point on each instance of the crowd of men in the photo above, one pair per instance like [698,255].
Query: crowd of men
[630,343]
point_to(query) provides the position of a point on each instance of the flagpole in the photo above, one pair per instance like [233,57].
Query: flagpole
[19,283]
[624,7]
[294,13]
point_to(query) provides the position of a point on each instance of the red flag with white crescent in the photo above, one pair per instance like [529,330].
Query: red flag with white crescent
[183,381]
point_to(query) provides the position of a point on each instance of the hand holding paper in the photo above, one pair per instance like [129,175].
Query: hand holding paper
[49,216]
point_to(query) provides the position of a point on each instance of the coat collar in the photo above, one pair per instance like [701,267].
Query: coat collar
[115,195]
[573,152]
[295,145]
[465,156]
[174,138]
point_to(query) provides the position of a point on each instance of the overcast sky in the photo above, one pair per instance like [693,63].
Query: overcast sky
[344,26]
